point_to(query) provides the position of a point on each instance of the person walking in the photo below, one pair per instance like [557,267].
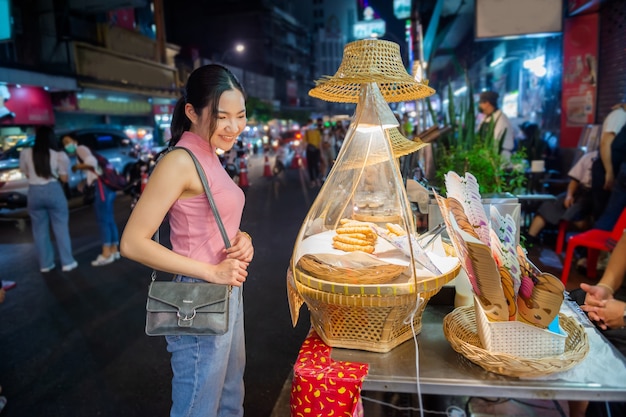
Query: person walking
[103,202]
[46,167]
[208,370]
[313,140]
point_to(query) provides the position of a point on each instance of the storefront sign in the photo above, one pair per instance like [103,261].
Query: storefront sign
[580,58]
[369,29]
[25,105]
[163,108]
[113,104]
[5,21]
[64,101]
[402,9]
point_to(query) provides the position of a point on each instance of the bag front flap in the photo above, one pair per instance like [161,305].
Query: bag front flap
[187,298]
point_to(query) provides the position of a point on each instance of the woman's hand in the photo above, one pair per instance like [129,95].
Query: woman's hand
[231,272]
[241,248]
[595,302]
[609,314]
[596,294]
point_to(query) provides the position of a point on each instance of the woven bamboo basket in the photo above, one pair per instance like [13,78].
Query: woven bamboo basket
[372,322]
[459,327]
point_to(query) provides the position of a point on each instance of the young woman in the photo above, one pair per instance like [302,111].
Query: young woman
[45,167]
[208,370]
[103,202]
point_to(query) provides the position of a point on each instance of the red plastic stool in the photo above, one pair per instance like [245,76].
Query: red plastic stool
[594,240]
[560,238]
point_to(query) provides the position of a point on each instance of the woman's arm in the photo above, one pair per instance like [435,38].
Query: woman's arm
[23,162]
[174,177]
[599,301]
[63,166]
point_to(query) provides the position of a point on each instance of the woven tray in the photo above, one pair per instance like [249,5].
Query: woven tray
[398,286]
[459,327]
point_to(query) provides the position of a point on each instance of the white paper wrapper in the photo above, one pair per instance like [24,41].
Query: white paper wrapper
[321,243]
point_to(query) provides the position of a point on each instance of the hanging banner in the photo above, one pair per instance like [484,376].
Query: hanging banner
[25,105]
[580,58]
[123,18]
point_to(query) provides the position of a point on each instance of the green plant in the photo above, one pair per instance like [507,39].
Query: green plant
[464,149]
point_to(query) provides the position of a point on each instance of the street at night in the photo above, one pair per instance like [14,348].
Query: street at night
[73,343]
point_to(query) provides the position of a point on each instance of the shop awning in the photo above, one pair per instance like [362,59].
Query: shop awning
[52,82]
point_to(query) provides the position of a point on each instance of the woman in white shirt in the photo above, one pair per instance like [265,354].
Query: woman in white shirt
[47,206]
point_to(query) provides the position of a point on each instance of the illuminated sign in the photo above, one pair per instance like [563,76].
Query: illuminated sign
[5,20]
[402,9]
[369,29]
[25,105]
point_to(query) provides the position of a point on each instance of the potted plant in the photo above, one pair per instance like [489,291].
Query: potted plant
[463,150]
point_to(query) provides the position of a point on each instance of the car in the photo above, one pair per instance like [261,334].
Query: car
[291,138]
[113,144]
[121,151]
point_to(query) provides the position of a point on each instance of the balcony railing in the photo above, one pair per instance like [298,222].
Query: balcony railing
[104,67]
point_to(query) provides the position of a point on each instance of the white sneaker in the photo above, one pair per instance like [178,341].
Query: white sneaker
[117,255]
[48,269]
[70,267]
[101,260]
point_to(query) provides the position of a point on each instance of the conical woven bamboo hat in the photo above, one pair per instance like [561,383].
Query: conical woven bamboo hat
[402,146]
[367,61]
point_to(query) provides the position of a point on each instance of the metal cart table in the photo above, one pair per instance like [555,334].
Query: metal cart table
[445,372]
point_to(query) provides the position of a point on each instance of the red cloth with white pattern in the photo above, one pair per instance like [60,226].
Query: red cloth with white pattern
[323,387]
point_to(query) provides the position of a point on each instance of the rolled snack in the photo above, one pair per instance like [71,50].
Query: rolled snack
[346,247]
[402,242]
[395,229]
[351,240]
[354,229]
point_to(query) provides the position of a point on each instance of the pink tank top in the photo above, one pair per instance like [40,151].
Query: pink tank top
[193,230]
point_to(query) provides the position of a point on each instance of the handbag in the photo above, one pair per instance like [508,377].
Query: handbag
[186,308]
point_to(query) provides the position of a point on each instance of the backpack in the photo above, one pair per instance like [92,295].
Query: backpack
[109,175]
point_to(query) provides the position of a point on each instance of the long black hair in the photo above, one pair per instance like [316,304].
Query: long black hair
[204,87]
[44,141]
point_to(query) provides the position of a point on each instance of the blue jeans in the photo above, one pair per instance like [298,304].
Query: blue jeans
[47,206]
[103,203]
[208,370]
[616,203]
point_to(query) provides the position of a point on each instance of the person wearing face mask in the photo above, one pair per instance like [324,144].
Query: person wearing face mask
[208,370]
[503,133]
[46,167]
[103,202]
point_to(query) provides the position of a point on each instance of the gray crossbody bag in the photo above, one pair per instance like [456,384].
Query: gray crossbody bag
[186,308]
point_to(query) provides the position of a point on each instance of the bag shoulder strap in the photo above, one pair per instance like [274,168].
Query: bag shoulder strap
[209,195]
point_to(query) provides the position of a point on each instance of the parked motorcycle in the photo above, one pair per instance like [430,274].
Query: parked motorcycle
[139,172]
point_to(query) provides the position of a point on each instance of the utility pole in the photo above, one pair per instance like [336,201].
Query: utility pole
[159,22]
